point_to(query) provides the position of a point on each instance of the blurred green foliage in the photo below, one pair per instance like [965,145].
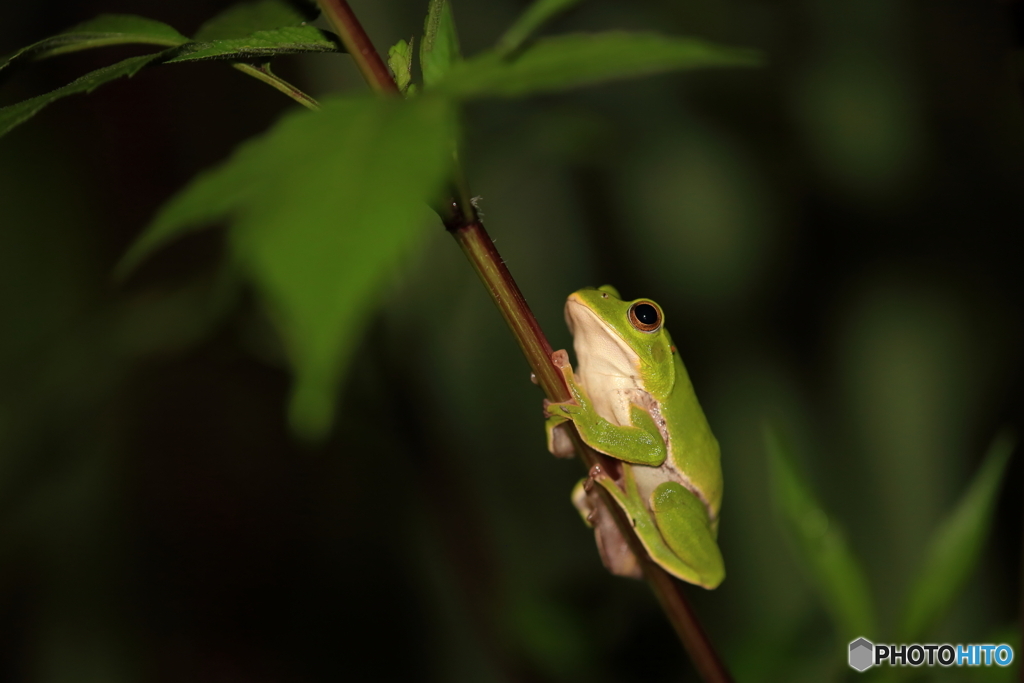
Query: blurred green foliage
[323,204]
[288,192]
[835,241]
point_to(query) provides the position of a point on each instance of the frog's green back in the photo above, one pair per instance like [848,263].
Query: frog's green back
[694,448]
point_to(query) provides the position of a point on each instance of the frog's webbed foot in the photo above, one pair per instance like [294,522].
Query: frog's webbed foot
[559,442]
[560,359]
[578,405]
[615,552]
[559,412]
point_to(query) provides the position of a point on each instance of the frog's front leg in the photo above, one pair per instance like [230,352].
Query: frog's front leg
[640,443]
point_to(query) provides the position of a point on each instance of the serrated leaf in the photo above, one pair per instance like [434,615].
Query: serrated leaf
[821,545]
[321,209]
[244,19]
[117,29]
[288,40]
[535,16]
[16,114]
[106,29]
[955,547]
[575,60]
[439,49]
[400,63]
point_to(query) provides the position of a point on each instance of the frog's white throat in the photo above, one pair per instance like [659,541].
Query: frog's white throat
[606,367]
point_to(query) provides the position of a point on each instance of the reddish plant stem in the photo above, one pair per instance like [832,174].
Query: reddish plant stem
[355,40]
[465,226]
[487,262]
[668,591]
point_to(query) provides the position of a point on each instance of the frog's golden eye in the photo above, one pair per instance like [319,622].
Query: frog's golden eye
[645,316]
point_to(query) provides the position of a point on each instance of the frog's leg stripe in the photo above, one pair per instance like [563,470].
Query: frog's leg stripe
[650,535]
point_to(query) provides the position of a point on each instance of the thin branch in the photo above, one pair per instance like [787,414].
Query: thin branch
[482,254]
[355,40]
[464,225]
[264,74]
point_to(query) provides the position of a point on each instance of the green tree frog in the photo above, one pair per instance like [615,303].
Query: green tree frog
[633,401]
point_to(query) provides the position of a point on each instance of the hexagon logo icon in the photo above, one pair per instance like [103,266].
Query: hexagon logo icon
[862,653]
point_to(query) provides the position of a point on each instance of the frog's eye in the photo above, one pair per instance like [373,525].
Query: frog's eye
[645,316]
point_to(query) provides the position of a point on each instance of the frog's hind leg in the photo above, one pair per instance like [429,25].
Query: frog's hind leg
[676,520]
[683,521]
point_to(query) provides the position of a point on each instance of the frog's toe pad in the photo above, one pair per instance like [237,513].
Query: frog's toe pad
[560,359]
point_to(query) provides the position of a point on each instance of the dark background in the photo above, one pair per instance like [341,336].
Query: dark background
[836,240]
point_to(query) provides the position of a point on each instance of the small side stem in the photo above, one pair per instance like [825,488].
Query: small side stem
[264,74]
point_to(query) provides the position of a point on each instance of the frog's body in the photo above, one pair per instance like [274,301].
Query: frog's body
[633,401]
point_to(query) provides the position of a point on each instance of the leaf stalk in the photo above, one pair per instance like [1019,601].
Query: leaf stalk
[264,74]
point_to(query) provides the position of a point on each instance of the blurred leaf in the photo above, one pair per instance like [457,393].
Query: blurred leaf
[160,321]
[246,18]
[822,546]
[956,545]
[322,207]
[106,29]
[288,40]
[537,14]
[553,638]
[16,114]
[113,29]
[439,49]
[575,60]
[400,62]
[1011,635]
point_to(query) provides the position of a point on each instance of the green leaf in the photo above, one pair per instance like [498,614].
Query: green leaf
[822,546]
[439,50]
[400,62]
[321,208]
[575,60]
[261,45]
[537,14]
[115,29]
[16,114]
[244,19]
[106,29]
[956,546]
